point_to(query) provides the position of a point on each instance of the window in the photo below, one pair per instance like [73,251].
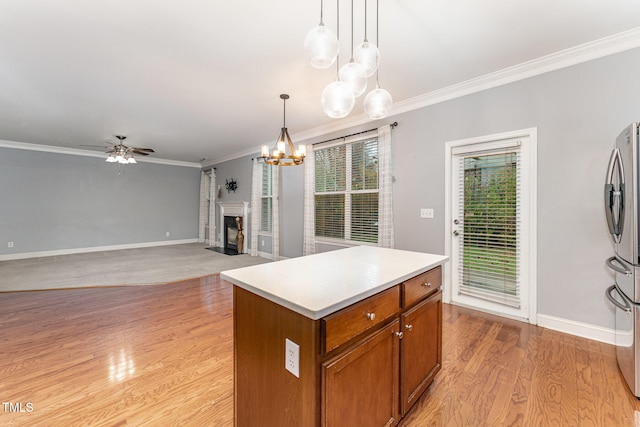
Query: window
[346,191]
[266,200]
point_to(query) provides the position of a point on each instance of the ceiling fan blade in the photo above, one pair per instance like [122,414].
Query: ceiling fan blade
[150,150]
[135,150]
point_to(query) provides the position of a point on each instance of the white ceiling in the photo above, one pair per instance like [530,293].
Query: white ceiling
[200,79]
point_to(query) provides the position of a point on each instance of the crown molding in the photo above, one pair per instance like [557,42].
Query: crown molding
[87,153]
[599,48]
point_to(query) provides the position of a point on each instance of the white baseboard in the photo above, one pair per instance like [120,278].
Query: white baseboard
[584,330]
[26,255]
[267,255]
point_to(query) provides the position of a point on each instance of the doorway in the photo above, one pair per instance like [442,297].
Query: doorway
[490,223]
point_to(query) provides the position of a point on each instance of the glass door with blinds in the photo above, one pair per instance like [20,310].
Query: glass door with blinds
[488,247]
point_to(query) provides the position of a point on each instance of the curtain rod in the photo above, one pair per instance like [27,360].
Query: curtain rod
[394,124]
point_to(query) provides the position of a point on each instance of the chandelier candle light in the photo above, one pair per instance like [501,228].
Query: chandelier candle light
[284,153]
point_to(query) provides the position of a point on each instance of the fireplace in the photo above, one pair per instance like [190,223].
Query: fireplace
[229,239]
[230,235]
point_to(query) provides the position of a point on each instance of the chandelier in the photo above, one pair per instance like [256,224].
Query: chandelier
[338,97]
[283,153]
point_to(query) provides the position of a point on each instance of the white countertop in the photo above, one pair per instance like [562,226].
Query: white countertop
[320,284]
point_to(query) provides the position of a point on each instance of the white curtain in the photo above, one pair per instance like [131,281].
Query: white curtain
[256,205]
[309,236]
[385,199]
[202,217]
[275,227]
[212,209]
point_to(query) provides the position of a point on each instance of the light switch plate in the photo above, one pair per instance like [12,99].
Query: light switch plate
[292,357]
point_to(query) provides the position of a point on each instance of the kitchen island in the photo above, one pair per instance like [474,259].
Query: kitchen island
[348,337]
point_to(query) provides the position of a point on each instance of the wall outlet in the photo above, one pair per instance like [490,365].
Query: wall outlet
[10,244]
[426,213]
[292,357]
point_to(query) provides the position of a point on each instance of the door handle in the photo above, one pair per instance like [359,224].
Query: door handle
[620,268]
[626,307]
[611,194]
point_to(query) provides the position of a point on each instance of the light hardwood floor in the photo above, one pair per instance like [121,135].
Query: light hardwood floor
[163,355]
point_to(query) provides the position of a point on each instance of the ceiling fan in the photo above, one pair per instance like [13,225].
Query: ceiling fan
[120,153]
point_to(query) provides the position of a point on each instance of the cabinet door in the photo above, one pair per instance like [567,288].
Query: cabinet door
[360,386]
[421,348]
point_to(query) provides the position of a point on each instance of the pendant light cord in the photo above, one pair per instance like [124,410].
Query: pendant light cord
[365,21]
[338,37]
[321,16]
[377,39]
[351,59]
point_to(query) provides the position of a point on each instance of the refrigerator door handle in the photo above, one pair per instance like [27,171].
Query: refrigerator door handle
[615,222]
[624,307]
[620,268]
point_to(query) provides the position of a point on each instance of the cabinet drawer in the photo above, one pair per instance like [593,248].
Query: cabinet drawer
[350,322]
[419,287]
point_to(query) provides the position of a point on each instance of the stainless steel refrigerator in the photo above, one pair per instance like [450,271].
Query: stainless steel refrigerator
[621,198]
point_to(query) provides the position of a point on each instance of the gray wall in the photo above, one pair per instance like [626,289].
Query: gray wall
[578,112]
[52,201]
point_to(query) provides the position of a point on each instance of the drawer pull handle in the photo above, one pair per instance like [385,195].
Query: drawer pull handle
[427,284]
[408,327]
[371,316]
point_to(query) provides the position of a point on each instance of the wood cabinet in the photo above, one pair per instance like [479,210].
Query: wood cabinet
[364,365]
[360,386]
[421,348]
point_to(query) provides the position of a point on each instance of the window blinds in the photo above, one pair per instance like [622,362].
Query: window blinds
[490,221]
[346,191]
[266,201]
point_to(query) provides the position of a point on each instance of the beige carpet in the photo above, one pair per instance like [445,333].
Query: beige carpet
[123,267]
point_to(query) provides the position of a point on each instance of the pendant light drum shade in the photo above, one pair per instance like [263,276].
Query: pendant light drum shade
[337,99]
[377,103]
[367,55]
[321,47]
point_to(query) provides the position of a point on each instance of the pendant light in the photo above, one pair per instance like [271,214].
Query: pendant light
[353,73]
[337,99]
[378,102]
[367,53]
[283,152]
[321,45]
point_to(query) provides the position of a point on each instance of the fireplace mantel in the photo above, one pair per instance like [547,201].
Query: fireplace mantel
[231,209]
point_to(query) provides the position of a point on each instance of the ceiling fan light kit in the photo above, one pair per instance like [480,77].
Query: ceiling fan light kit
[364,63]
[123,154]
